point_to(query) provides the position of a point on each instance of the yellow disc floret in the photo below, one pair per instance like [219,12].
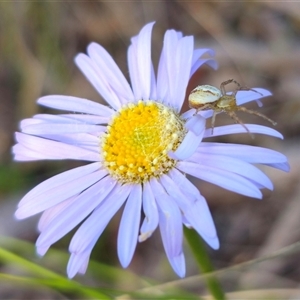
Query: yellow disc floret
[138,139]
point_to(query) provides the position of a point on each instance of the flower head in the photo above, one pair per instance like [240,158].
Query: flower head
[140,149]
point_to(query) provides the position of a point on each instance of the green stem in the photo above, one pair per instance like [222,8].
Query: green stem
[198,249]
[46,277]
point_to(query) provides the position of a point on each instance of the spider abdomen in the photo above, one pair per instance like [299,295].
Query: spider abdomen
[203,95]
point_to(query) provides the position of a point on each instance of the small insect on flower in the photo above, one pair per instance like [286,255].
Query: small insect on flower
[205,97]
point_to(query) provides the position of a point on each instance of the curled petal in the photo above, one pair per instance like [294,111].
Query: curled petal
[208,61]
[196,124]
[188,146]
[151,213]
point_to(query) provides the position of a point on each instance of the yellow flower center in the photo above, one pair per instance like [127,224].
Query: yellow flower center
[136,145]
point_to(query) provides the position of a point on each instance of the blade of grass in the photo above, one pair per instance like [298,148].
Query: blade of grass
[263,294]
[50,277]
[58,285]
[98,270]
[205,266]
[192,280]
[103,272]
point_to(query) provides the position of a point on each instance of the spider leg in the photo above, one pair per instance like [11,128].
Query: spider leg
[242,88]
[245,88]
[213,122]
[239,87]
[253,112]
[222,86]
[202,108]
[232,115]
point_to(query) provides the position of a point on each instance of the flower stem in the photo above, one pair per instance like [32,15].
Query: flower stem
[198,249]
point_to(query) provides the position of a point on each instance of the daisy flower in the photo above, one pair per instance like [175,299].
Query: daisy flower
[140,149]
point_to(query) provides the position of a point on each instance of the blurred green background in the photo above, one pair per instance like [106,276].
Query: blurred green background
[256,43]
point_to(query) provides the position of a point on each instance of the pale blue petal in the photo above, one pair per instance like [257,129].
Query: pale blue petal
[129,226]
[75,104]
[90,119]
[29,122]
[281,166]
[170,220]
[183,61]
[41,251]
[243,97]
[133,72]
[233,165]
[173,191]
[48,118]
[98,220]
[184,184]
[53,191]
[153,89]
[143,57]
[196,124]
[115,79]
[188,114]
[178,264]
[50,128]
[84,265]
[53,149]
[97,78]
[170,224]
[49,214]
[85,203]
[78,262]
[197,62]
[199,216]
[195,210]
[204,113]
[250,154]
[139,63]
[22,153]
[224,179]
[66,118]
[199,52]
[85,140]
[208,61]
[58,194]
[188,146]
[151,213]
[167,67]
[237,128]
